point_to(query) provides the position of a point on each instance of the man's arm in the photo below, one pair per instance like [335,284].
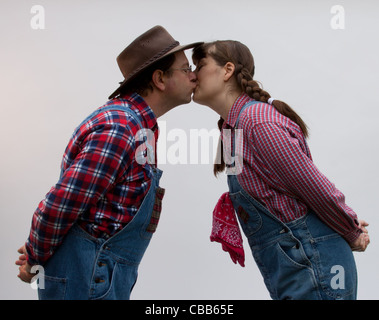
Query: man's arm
[105,154]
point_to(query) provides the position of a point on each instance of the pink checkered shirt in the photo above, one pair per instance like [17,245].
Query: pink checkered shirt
[279,172]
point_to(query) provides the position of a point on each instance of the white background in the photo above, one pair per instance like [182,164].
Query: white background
[51,79]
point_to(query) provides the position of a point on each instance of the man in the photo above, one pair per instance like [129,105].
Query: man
[90,232]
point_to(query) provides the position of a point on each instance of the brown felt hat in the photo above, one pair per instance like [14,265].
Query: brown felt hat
[148,48]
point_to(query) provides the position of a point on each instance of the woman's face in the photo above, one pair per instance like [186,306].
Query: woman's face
[210,81]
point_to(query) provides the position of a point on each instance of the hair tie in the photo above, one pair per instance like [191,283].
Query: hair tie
[269,101]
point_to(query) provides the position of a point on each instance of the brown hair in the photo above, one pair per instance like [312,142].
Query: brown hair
[237,53]
[142,83]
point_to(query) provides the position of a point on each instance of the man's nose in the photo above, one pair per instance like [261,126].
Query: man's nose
[193,76]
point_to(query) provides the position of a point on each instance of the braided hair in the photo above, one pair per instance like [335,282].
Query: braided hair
[237,53]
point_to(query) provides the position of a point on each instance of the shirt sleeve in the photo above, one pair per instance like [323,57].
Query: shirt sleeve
[284,158]
[105,155]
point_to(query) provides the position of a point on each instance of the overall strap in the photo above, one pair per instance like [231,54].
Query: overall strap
[123,108]
[112,107]
[243,108]
[236,125]
[143,135]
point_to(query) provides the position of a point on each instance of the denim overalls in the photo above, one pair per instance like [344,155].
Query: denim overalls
[84,267]
[303,259]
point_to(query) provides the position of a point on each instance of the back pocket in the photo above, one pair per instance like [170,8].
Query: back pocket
[52,288]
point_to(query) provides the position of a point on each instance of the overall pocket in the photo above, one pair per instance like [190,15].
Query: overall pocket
[334,260]
[125,278]
[248,216]
[338,273]
[286,270]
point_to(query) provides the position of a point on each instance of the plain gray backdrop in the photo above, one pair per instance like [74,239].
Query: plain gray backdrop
[52,78]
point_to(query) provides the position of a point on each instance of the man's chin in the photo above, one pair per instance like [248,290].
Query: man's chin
[194,97]
[186,100]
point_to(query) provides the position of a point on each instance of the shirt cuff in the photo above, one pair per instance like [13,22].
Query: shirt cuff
[352,236]
[29,255]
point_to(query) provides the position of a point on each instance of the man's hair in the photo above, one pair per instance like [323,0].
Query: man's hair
[142,83]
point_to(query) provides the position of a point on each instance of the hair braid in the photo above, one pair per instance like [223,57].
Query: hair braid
[219,165]
[254,90]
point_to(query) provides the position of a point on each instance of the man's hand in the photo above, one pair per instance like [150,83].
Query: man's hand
[25,268]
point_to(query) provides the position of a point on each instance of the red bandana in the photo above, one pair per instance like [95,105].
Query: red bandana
[226,230]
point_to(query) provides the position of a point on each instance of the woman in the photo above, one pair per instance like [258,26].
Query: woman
[299,228]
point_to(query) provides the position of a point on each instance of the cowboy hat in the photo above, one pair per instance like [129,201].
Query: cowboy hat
[148,48]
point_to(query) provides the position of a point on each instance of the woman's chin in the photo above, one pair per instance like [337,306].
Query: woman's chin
[196,98]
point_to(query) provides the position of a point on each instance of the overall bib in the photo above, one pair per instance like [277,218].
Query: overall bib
[85,267]
[303,259]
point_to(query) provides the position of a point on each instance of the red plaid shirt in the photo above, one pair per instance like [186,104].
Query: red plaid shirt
[102,185]
[279,172]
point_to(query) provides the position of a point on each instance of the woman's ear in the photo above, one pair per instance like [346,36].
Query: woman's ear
[229,70]
[158,79]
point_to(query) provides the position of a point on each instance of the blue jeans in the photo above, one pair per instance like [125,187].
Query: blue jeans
[303,259]
[84,267]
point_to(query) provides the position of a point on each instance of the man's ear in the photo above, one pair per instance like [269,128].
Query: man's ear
[229,70]
[158,79]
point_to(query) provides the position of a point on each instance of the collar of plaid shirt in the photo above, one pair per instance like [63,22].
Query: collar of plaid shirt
[144,109]
[235,110]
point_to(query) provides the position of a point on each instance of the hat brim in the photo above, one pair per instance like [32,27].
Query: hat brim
[172,51]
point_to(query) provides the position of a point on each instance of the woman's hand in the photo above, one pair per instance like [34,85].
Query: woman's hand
[362,225]
[361,243]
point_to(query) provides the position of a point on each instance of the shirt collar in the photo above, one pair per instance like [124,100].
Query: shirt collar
[236,108]
[143,109]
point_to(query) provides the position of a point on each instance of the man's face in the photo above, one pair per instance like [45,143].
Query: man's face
[181,82]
